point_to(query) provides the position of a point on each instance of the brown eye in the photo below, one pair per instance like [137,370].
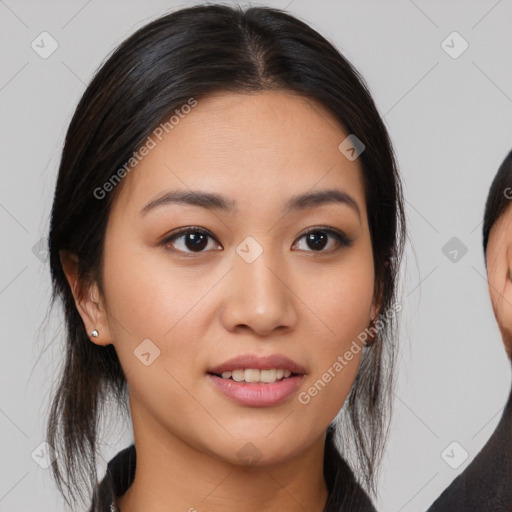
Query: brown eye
[189,240]
[318,238]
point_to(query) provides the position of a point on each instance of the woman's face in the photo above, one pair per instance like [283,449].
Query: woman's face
[499,275]
[249,284]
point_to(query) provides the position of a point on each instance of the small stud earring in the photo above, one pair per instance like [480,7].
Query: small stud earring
[94,333]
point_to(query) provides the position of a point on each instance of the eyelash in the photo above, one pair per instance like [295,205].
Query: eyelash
[342,239]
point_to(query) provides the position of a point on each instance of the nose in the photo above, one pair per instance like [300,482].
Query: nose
[258,298]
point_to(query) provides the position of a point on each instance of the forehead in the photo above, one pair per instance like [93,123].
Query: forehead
[258,148]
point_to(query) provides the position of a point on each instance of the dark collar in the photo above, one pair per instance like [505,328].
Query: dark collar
[118,477]
[486,484]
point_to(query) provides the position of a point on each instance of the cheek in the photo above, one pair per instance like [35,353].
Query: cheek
[342,298]
[147,295]
[497,279]
[153,316]
[150,299]
[341,302]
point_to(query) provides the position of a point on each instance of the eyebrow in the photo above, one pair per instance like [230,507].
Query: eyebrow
[212,201]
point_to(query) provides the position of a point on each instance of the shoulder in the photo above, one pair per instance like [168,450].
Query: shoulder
[486,484]
[118,477]
[345,493]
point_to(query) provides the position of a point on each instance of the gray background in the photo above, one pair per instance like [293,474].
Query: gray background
[451,123]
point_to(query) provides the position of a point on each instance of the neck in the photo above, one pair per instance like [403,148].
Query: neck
[171,475]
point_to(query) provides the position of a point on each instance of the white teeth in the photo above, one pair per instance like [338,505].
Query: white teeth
[255,375]
[268,375]
[252,375]
[238,375]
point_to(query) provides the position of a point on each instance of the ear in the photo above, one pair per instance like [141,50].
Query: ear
[88,301]
[375,308]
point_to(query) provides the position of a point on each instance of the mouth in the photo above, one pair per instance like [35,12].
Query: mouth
[255,375]
[257,381]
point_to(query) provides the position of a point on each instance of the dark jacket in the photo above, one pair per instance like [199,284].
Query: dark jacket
[345,495]
[486,484]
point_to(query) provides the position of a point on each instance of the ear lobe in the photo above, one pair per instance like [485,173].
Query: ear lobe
[87,300]
[374,311]
[376,306]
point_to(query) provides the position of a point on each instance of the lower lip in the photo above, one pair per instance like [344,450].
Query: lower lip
[257,395]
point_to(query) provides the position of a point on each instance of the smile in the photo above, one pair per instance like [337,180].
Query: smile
[256,375]
[256,394]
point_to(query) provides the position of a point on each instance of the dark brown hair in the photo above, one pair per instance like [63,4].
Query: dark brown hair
[194,52]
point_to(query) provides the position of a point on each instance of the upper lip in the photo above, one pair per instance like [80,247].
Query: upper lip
[278,361]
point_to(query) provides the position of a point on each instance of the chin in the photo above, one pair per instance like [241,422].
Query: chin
[257,451]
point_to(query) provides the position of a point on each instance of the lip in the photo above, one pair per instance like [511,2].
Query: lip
[278,361]
[254,394]
[257,395]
